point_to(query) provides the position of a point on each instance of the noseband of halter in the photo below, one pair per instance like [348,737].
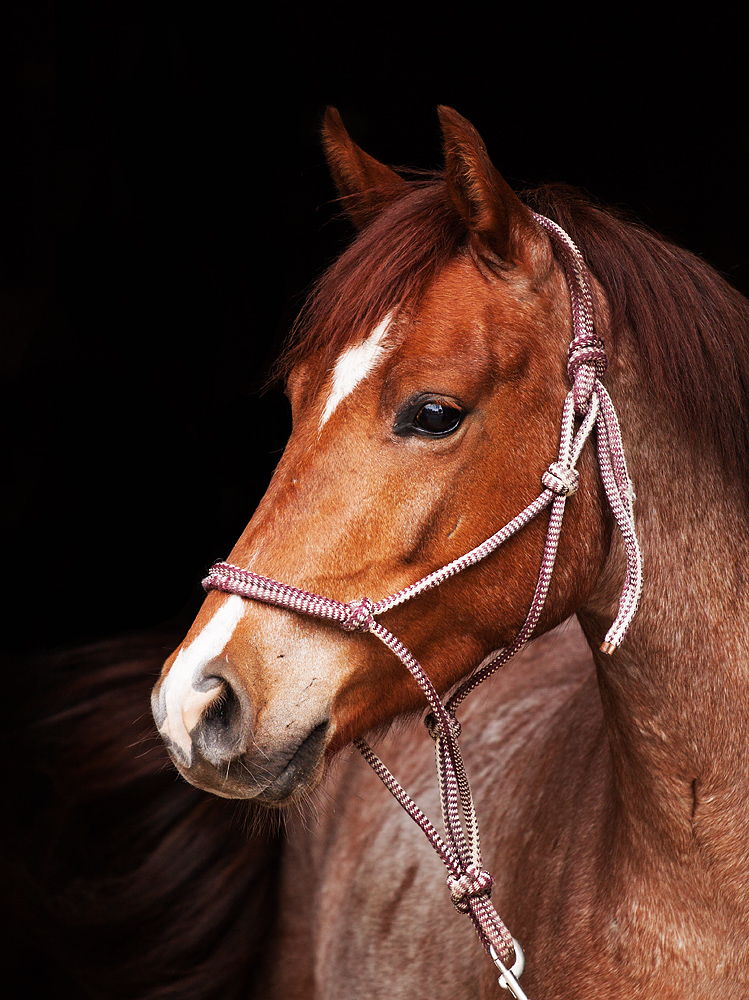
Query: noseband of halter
[589,403]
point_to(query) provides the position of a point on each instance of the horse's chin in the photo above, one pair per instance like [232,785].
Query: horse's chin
[277,781]
[301,775]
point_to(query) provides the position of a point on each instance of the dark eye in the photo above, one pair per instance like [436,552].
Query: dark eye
[437,418]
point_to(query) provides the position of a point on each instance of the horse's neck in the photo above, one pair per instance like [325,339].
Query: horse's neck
[676,694]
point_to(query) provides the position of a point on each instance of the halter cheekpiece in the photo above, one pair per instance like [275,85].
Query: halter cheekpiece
[587,405]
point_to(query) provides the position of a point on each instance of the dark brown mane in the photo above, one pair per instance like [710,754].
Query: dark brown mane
[691,326]
[130,882]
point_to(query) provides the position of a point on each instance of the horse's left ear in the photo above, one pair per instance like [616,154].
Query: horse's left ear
[365,186]
[496,218]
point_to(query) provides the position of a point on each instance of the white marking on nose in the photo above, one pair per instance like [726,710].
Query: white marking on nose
[183,702]
[354,364]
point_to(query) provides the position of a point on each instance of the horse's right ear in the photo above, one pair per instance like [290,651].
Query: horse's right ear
[365,186]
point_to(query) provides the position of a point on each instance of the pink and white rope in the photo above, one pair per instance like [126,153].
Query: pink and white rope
[586,407]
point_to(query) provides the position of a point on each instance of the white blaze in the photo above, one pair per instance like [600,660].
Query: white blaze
[354,364]
[183,703]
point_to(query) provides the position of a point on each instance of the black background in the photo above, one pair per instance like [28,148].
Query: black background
[164,205]
[193,209]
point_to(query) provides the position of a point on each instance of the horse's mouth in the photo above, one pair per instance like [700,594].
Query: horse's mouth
[238,779]
[301,772]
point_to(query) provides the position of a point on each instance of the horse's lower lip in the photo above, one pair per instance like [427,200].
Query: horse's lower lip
[301,766]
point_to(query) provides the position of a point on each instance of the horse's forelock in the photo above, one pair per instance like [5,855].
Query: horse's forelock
[388,266]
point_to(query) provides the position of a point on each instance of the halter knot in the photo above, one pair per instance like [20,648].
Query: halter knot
[433,727]
[474,883]
[560,479]
[358,616]
[587,350]
[586,362]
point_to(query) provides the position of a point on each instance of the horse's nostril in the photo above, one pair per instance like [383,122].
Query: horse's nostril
[223,729]
[222,712]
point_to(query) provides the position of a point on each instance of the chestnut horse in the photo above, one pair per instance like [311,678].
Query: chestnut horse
[427,379]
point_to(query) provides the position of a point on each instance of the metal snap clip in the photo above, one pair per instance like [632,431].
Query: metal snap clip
[509,978]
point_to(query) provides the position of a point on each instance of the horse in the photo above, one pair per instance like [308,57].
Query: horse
[428,374]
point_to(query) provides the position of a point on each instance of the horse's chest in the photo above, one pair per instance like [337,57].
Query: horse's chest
[365,910]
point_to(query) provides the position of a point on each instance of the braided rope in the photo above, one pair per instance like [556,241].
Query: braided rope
[469,883]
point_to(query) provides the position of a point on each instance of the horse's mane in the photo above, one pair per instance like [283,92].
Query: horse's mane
[126,881]
[691,327]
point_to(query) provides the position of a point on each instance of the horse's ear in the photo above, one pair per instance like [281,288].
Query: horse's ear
[365,185]
[493,213]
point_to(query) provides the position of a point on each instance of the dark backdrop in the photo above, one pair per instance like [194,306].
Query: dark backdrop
[193,209]
[163,207]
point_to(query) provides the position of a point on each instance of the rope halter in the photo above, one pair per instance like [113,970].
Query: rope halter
[586,407]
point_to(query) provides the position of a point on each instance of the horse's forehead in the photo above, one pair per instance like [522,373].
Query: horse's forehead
[471,318]
[354,364]
[458,316]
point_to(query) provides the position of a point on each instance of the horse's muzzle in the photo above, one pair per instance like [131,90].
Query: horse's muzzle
[220,752]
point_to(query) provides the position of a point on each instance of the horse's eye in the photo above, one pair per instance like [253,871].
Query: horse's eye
[437,419]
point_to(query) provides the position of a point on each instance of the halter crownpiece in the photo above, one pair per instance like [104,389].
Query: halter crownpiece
[588,401]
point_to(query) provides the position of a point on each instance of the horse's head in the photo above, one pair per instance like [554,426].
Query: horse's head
[426,383]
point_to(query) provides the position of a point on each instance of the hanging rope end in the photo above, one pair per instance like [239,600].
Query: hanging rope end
[607,647]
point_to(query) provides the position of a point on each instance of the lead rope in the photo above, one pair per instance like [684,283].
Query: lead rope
[470,884]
